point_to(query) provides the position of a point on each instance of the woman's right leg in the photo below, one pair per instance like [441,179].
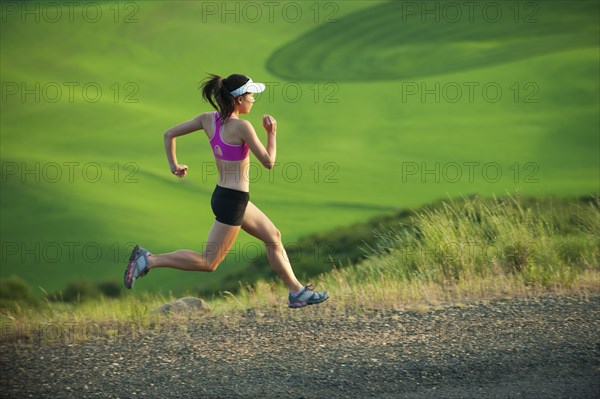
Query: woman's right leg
[260,226]
[257,224]
[220,239]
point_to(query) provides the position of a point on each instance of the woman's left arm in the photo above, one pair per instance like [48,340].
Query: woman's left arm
[170,146]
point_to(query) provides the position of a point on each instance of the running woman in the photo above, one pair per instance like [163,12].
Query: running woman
[231,140]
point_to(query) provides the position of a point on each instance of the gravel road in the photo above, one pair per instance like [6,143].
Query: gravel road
[543,347]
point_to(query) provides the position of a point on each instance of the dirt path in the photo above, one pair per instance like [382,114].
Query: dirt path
[547,347]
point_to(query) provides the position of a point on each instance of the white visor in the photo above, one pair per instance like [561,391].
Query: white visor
[249,87]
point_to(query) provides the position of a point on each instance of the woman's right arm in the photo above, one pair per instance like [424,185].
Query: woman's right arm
[267,155]
[170,146]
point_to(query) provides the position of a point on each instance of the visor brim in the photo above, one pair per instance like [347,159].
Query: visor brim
[255,87]
[248,87]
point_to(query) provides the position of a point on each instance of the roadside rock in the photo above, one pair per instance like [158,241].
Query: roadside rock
[188,304]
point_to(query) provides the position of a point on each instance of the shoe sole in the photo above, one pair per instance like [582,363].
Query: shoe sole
[128,278]
[298,305]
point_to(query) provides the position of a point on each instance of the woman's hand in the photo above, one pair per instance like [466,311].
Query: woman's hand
[179,170]
[270,124]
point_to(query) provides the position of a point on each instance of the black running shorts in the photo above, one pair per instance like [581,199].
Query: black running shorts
[229,205]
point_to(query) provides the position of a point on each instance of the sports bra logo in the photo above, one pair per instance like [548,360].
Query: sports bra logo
[218,151]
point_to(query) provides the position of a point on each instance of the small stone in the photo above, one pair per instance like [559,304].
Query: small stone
[184,305]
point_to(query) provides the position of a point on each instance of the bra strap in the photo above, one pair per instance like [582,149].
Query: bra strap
[218,124]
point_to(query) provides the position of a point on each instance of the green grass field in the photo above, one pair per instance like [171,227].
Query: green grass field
[378,110]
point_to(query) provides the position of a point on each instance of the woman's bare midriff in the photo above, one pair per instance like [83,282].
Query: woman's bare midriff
[234,174]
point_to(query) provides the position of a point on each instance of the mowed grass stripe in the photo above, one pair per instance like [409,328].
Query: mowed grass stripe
[382,43]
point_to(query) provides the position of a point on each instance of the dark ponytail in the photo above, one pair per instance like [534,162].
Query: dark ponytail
[216,91]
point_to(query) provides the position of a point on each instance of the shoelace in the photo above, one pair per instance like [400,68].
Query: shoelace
[308,287]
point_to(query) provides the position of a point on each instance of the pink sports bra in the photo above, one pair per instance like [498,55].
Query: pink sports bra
[224,151]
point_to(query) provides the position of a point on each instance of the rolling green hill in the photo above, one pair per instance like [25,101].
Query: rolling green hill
[378,110]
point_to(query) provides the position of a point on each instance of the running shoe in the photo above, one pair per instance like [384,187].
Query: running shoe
[308,296]
[137,266]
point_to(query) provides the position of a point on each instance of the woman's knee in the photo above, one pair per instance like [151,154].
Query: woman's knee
[274,237]
[210,262]
[212,265]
